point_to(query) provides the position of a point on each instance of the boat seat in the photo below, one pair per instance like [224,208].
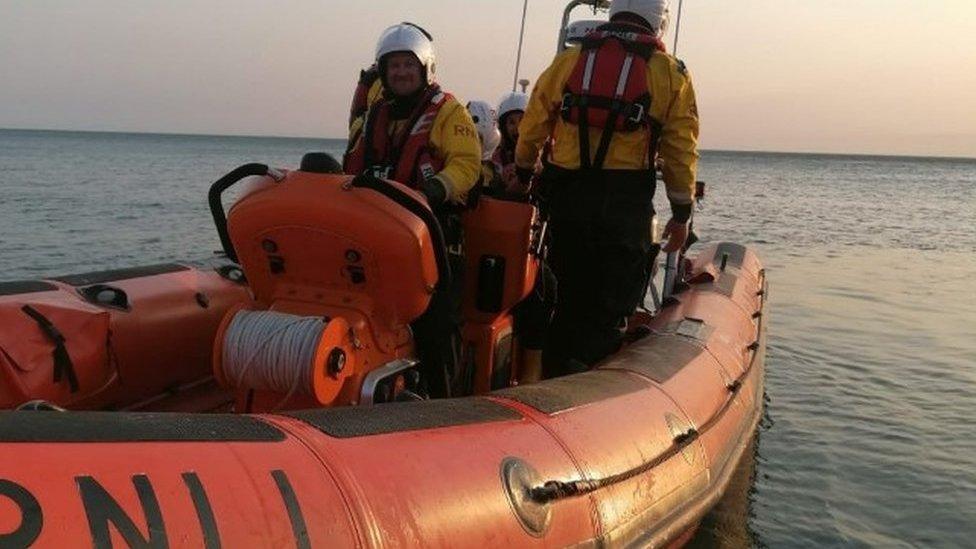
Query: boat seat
[315,244]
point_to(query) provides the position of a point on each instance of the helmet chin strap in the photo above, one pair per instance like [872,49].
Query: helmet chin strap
[404,105]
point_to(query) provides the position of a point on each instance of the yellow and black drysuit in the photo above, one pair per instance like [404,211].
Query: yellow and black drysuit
[426,141]
[600,206]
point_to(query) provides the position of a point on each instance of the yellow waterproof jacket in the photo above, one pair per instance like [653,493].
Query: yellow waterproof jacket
[672,104]
[453,140]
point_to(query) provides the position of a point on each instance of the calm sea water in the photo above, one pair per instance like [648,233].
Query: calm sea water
[870,434]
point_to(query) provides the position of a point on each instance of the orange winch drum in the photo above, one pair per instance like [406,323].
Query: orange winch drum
[284,354]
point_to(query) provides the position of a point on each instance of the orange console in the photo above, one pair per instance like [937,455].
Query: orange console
[500,272]
[329,246]
[367,255]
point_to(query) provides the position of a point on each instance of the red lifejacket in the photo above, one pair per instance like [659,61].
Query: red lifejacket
[406,156]
[503,156]
[608,88]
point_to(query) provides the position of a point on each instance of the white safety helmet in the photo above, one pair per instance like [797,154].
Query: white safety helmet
[485,120]
[576,30]
[512,101]
[655,12]
[409,38]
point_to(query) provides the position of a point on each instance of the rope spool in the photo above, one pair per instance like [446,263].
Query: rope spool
[284,354]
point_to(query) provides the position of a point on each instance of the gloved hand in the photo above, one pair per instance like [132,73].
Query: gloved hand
[435,191]
[676,232]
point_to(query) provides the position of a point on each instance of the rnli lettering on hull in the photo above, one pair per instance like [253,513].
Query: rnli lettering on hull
[137,529]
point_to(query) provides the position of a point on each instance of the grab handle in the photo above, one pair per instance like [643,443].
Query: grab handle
[217,207]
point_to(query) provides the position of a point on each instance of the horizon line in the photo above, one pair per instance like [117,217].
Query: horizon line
[299,137]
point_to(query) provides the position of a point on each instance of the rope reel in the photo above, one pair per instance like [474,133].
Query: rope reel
[283,353]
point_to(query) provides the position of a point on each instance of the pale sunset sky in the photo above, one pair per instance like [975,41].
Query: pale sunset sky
[847,76]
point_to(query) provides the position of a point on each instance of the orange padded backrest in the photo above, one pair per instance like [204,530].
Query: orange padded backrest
[313,240]
[500,269]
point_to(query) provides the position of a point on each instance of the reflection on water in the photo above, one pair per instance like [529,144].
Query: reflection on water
[728,525]
[871,359]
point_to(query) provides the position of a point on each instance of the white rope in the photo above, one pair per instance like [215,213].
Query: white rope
[271,351]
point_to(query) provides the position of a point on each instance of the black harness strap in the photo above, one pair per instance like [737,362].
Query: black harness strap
[396,143]
[404,135]
[584,136]
[367,134]
[616,106]
[584,139]
[633,110]
[63,367]
[636,113]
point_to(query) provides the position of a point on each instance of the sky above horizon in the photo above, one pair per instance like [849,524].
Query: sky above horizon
[845,76]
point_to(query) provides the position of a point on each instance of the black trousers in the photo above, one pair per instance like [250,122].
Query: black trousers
[533,314]
[600,228]
[437,332]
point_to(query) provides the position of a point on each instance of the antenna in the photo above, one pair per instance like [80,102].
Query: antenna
[677,28]
[518,58]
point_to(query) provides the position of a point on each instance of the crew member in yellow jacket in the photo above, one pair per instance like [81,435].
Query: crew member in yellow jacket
[415,133]
[421,136]
[611,106]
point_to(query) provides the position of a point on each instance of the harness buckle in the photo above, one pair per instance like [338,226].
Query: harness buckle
[427,170]
[638,114]
[380,171]
[567,103]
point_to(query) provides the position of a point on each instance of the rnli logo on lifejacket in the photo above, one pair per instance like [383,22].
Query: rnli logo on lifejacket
[463,131]
[105,514]
[622,35]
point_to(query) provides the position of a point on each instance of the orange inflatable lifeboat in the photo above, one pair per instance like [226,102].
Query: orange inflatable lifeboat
[121,339]
[163,406]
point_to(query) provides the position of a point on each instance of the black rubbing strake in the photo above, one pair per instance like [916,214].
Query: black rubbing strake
[394,417]
[133,427]
[563,393]
[102,277]
[658,357]
[16,287]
